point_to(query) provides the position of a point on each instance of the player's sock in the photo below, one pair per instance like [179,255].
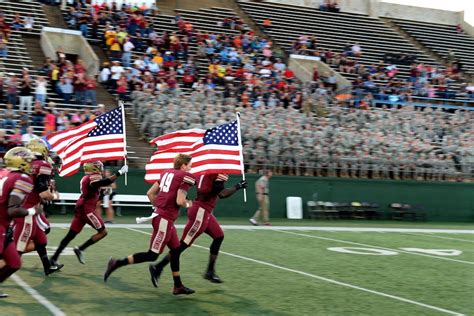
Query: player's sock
[163,263]
[41,250]
[122,262]
[88,243]
[144,256]
[177,281]
[212,262]
[214,251]
[63,244]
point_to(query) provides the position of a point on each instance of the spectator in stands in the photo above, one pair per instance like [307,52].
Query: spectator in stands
[267,23]
[29,22]
[80,88]
[4,143]
[49,122]
[17,22]
[356,50]
[116,73]
[127,52]
[66,88]
[12,89]
[40,90]
[91,93]
[3,47]
[105,73]
[29,135]
[38,114]
[8,115]
[26,96]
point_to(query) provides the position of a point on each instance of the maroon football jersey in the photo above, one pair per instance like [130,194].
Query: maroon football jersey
[38,167]
[89,195]
[12,182]
[205,195]
[171,181]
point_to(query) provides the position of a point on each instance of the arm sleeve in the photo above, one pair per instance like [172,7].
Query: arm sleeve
[101,183]
[42,181]
[217,187]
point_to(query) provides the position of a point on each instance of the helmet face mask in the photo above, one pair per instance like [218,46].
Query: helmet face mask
[38,148]
[93,167]
[18,159]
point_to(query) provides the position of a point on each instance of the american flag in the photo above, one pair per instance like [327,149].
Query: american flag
[216,150]
[100,139]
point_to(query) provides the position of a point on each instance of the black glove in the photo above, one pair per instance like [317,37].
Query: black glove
[241,185]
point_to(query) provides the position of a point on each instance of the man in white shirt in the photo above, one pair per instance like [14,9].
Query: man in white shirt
[117,71]
[25,138]
[127,52]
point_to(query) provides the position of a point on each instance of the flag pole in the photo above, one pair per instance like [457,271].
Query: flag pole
[241,153]
[124,137]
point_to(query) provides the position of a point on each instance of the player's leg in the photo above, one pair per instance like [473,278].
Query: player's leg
[76,226]
[11,257]
[158,241]
[97,223]
[194,227]
[40,241]
[215,231]
[175,252]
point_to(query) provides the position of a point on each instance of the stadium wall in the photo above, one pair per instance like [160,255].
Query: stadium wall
[442,201]
[379,8]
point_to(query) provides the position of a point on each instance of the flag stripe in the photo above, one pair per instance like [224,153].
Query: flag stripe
[101,139]
[213,151]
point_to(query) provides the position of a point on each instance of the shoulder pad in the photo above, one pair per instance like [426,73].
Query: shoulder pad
[95,177]
[222,177]
[189,179]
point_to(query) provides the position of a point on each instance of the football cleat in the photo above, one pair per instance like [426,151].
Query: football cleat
[253,222]
[111,267]
[182,290]
[80,255]
[54,268]
[155,273]
[3,295]
[211,276]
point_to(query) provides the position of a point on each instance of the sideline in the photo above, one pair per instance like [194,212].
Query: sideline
[40,298]
[398,298]
[302,228]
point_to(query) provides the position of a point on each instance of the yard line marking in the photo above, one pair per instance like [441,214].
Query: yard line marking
[440,237]
[40,298]
[302,228]
[372,246]
[324,279]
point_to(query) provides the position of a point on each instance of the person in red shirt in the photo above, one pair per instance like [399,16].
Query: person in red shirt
[84,212]
[201,220]
[15,186]
[30,231]
[167,195]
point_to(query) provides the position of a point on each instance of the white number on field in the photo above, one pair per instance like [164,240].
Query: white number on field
[382,252]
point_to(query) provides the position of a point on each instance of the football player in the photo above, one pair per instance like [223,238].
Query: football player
[201,220]
[84,212]
[30,231]
[15,185]
[167,195]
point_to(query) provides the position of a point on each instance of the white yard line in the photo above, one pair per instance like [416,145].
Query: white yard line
[440,237]
[40,298]
[372,246]
[302,228]
[398,298]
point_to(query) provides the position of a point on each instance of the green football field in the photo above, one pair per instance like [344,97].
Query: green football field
[311,269]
